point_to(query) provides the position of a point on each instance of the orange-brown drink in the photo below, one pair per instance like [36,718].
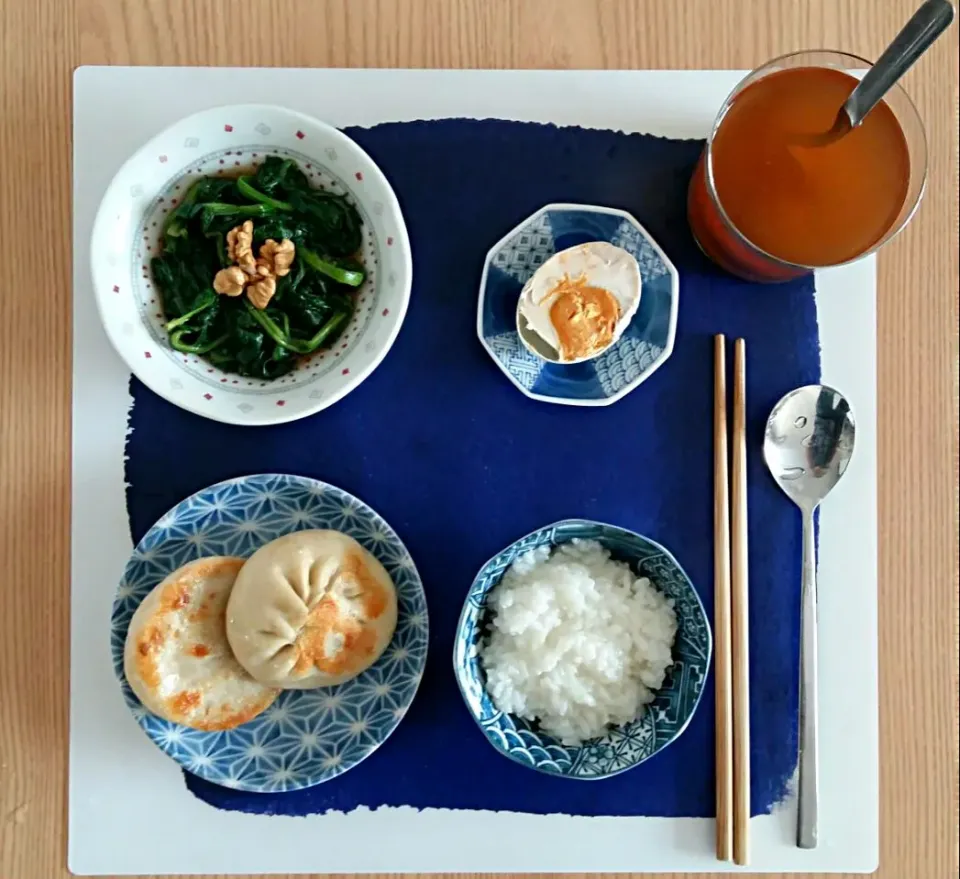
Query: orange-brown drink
[767,205]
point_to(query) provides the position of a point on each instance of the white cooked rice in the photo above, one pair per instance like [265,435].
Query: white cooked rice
[577,640]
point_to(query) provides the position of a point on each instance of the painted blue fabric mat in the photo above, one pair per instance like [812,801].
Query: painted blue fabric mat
[460,463]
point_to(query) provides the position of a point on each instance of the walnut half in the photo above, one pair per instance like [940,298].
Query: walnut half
[230,282]
[240,247]
[259,276]
[276,258]
[261,292]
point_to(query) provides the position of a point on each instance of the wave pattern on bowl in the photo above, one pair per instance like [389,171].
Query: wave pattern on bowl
[621,747]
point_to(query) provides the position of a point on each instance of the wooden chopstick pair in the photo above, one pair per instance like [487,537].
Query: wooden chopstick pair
[731,650]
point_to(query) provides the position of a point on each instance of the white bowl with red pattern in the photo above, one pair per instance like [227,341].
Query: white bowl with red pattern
[126,235]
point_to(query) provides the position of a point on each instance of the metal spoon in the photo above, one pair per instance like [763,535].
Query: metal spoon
[807,445]
[918,34]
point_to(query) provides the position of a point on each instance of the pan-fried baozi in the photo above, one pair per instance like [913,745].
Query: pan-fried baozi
[311,609]
[177,659]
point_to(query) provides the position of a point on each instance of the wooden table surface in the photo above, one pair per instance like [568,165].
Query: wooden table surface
[43,40]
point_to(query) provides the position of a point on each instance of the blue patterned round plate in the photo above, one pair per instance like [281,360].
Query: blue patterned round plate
[307,736]
[622,747]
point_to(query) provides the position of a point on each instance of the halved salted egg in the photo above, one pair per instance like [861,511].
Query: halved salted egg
[579,302]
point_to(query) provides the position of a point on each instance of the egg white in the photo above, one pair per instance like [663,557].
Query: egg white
[602,265]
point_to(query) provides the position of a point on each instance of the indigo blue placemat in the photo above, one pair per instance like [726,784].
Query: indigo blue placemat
[461,464]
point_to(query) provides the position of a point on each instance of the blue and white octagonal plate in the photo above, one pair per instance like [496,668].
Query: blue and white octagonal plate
[307,736]
[641,350]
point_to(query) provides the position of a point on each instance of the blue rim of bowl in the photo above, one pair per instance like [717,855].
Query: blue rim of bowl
[699,603]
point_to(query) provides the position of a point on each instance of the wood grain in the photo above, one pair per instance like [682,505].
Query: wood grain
[43,40]
[740,606]
[722,651]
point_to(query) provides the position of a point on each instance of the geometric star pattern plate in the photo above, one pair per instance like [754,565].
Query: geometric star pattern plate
[620,747]
[307,736]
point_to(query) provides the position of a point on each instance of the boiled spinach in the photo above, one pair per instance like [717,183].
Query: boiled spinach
[313,303]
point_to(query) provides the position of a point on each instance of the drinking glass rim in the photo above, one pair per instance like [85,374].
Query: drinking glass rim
[718,119]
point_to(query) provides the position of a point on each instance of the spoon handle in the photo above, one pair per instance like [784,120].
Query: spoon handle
[807,805]
[927,23]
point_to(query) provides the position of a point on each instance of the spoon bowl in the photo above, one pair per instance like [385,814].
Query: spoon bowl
[841,126]
[807,445]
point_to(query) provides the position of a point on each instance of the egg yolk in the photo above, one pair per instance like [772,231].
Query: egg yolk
[584,317]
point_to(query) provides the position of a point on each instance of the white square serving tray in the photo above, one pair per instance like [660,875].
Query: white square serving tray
[128,802]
